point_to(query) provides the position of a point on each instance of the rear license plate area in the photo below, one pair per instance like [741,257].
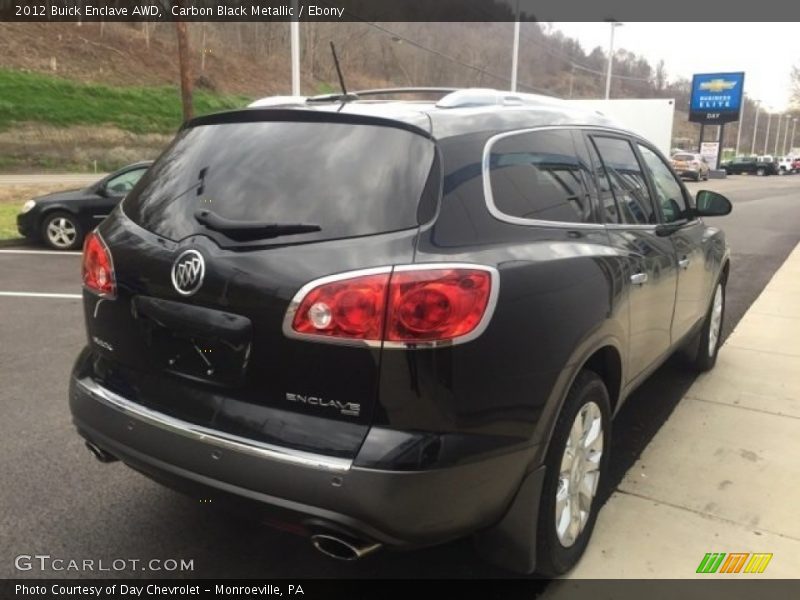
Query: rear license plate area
[197,357]
[195,342]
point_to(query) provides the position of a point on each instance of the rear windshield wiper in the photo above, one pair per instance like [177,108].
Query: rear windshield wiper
[242,231]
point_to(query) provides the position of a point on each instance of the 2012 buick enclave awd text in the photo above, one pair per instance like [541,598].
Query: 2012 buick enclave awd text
[395,323]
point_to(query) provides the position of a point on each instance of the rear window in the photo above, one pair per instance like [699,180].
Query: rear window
[350,180]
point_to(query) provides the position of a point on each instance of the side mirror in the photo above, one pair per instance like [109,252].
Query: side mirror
[712,204]
[101,191]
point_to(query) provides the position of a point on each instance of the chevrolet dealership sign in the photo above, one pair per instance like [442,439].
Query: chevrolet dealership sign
[716,97]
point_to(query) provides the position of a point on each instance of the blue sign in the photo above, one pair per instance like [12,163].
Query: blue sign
[716,97]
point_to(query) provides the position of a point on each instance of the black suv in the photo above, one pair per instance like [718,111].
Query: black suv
[392,323]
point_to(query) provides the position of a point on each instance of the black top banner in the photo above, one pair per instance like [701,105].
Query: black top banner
[393,10]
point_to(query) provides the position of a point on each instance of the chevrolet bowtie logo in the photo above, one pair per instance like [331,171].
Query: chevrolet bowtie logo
[717,85]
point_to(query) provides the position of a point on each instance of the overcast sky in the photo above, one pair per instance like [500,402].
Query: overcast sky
[764,51]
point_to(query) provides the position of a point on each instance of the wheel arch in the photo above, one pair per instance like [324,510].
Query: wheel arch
[602,354]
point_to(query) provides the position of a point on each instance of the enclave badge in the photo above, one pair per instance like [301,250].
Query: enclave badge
[188,271]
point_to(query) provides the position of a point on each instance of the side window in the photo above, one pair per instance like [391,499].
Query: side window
[608,205]
[668,191]
[626,180]
[537,175]
[122,184]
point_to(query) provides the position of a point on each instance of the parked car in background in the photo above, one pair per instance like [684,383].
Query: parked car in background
[396,360]
[691,165]
[785,165]
[796,164]
[61,220]
[753,165]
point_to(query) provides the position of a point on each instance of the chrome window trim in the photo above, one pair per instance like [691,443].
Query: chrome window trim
[487,185]
[209,436]
[494,292]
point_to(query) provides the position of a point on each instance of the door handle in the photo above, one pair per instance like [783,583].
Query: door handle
[684,263]
[639,278]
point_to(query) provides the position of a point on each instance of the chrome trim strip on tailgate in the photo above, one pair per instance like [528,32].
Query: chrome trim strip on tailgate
[210,436]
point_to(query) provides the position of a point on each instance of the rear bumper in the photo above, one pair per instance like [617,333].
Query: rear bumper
[396,508]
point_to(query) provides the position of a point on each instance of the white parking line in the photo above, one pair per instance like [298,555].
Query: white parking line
[39,295]
[56,252]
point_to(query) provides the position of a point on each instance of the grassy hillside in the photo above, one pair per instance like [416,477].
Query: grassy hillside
[33,97]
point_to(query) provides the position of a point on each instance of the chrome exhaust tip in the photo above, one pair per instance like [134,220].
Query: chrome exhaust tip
[100,454]
[342,548]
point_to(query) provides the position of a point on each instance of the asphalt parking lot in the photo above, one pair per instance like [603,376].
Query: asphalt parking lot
[57,500]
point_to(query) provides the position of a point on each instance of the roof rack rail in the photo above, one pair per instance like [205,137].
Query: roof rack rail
[490,97]
[357,95]
[406,90]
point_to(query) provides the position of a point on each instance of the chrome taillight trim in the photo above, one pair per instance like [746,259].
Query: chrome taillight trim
[482,325]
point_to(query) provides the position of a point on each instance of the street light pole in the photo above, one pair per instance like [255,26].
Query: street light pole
[294,34]
[755,129]
[739,127]
[766,138]
[777,135]
[515,52]
[614,25]
[794,126]
[786,135]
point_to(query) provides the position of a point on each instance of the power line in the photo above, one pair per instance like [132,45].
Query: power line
[452,59]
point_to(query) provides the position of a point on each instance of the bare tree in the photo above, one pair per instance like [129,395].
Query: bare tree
[795,84]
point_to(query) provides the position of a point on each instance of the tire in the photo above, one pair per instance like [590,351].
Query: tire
[761,171]
[701,353]
[62,231]
[558,547]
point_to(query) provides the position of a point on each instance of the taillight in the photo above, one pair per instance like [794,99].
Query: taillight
[412,305]
[351,308]
[97,268]
[436,304]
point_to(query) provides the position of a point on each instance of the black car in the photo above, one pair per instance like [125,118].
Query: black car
[61,220]
[387,323]
[752,165]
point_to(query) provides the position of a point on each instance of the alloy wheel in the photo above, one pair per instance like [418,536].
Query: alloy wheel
[579,474]
[61,232]
[716,321]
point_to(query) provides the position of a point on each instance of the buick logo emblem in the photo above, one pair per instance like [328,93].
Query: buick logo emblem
[188,271]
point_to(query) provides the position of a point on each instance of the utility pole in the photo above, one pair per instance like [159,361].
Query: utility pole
[614,25]
[794,126]
[571,79]
[294,34]
[515,52]
[755,129]
[185,68]
[777,135]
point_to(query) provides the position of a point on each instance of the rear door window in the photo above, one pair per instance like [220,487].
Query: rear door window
[537,175]
[626,180]
[349,179]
